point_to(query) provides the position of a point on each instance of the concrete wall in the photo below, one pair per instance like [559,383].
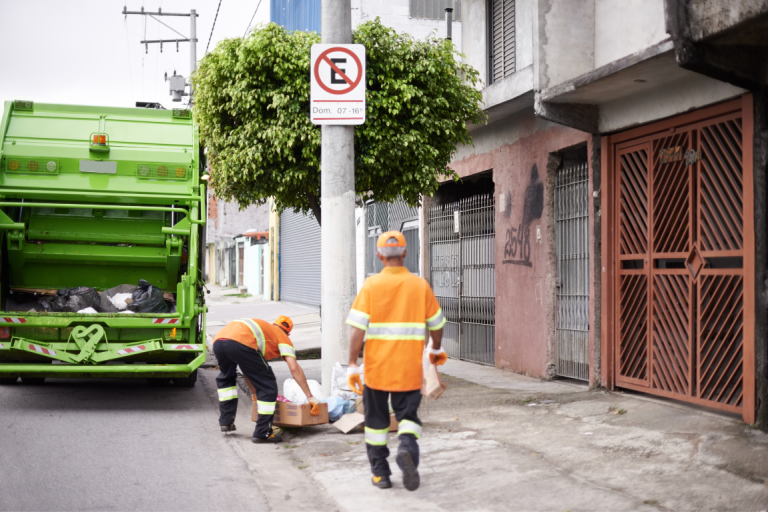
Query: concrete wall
[565,40]
[623,27]
[525,300]
[708,17]
[396,14]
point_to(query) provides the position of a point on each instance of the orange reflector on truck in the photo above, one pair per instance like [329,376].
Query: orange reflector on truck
[5,333]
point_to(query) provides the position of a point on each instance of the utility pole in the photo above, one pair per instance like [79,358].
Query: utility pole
[177,86]
[337,192]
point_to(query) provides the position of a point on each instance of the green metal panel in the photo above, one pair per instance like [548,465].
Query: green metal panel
[76,214]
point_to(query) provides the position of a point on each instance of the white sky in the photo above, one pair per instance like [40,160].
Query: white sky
[88,53]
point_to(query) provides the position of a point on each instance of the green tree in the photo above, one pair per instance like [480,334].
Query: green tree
[252,107]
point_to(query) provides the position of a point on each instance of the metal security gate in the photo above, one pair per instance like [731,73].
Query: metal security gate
[462,268]
[684,251]
[397,216]
[572,286]
[299,258]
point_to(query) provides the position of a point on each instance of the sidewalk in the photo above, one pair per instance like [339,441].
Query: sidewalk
[500,441]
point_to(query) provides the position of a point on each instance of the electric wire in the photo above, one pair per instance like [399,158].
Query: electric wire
[252,17]
[214,26]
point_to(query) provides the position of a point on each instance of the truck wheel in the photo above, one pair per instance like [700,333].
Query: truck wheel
[159,382]
[7,381]
[32,381]
[186,382]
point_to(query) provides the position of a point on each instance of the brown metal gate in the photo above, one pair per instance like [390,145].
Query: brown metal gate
[684,258]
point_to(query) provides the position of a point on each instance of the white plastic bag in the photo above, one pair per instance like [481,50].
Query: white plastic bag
[118,300]
[339,386]
[293,392]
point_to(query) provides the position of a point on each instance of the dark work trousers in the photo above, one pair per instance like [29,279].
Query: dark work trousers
[406,407]
[231,354]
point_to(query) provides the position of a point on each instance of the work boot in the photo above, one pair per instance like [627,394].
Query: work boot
[382,482]
[267,440]
[411,478]
[228,428]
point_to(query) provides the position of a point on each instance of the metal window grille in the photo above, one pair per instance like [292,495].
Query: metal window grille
[572,287]
[462,268]
[434,9]
[502,40]
[387,217]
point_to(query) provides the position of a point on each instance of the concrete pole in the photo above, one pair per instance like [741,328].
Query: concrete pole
[337,192]
[192,47]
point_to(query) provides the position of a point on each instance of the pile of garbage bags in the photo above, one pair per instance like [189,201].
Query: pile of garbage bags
[338,406]
[125,298]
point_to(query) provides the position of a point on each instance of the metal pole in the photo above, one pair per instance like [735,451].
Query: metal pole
[449,23]
[192,48]
[337,192]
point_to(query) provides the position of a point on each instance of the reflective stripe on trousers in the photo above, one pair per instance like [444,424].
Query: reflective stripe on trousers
[227,394]
[265,408]
[376,437]
[255,330]
[409,427]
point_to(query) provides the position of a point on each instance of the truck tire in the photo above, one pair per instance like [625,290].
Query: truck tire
[7,381]
[186,382]
[159,382]
[32,381]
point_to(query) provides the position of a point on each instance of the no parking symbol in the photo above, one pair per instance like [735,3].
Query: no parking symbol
[337,92]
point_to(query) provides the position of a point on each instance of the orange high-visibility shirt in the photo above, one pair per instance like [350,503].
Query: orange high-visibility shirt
[395,308]
[260,335]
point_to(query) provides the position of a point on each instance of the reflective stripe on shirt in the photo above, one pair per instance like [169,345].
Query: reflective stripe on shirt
[286,350]
[256,330]
[396,331]
[437,321]
[358,319]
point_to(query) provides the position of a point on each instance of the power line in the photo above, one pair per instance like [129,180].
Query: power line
[213,26]
[249,23]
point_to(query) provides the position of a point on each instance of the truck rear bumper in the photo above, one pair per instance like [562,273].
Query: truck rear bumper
[101,370]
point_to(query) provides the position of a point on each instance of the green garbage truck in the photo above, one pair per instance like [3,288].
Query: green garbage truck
[95,201]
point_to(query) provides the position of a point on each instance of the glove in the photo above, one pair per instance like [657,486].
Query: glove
[315,411]
[353,379]
[437,356]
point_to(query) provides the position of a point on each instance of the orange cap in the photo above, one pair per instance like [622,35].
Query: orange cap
[284,322]
[391,239]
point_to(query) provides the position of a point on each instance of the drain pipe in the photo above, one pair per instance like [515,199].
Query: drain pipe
[448,23]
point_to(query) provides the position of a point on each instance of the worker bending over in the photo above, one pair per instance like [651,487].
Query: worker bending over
[393,310]
[250,343]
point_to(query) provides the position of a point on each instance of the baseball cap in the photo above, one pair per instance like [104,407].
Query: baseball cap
[391,239]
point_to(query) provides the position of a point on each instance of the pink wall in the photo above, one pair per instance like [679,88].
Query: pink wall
[525,281]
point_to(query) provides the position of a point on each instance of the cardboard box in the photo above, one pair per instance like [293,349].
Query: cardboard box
[354,419]
[293,415]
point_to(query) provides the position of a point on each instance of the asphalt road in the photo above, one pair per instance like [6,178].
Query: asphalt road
[120,445]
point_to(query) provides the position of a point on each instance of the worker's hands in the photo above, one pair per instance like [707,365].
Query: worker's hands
[315,402]
[437,356]
[353,379]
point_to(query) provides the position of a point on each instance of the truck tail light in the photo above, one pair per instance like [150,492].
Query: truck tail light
[5,333]
[99,142]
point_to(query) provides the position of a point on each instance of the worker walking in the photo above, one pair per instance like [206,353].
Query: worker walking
[250,343]
[392,311]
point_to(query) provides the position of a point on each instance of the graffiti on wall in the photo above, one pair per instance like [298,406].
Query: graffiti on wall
[517,248]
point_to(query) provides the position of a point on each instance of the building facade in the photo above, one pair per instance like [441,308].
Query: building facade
[625,144]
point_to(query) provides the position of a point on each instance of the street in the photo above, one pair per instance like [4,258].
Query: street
[490,443]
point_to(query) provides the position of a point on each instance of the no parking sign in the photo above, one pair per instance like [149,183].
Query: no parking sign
[337,91]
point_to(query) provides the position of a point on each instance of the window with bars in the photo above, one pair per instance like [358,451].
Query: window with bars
[502,39]
[434,9]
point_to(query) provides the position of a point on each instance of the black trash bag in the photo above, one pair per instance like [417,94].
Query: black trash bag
[148,299]
[72,300]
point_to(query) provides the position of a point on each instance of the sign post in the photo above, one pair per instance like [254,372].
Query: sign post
[340,104]
[337,90]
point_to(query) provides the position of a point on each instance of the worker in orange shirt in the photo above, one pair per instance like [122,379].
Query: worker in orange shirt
[250,343]
[393,311]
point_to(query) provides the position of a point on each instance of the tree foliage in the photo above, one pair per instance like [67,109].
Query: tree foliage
[252,107]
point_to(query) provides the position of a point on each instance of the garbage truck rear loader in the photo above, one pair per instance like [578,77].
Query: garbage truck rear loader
[92,198]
